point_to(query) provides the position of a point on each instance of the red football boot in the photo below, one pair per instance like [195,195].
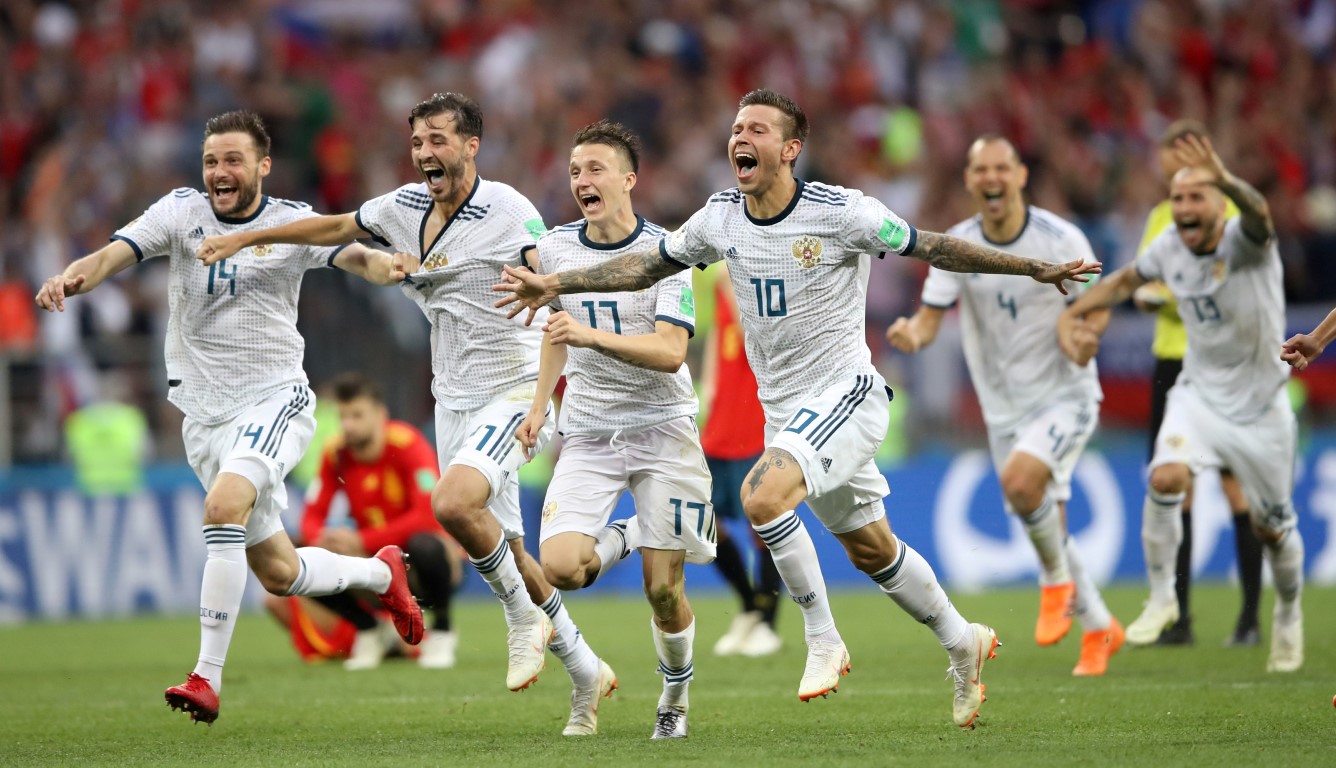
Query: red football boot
[195,696]
[398,600]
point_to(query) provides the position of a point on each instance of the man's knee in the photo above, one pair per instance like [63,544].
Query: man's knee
[774,486]
[275,576]
[1170,479]
[226,504]
[564,573]
[1022,493]
[663,597]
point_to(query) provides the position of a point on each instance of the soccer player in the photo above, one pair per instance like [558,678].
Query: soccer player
[799,256]
[1229,408]
[387,470]
[733,439]
[1171,341]
[1301,349]
[456,230]
[628,416]
[234,362]
[1040,407]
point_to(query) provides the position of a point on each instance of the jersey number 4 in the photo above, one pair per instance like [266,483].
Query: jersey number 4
[221,273]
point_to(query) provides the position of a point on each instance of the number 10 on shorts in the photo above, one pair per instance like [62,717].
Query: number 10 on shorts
[691,506]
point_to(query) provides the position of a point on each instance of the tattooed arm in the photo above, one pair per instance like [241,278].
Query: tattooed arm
[956,255]
[630,272]
[1254,213]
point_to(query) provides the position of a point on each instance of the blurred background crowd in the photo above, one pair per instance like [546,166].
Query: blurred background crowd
[102,104]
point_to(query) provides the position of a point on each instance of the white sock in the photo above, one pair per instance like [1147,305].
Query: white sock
[1090,608]
[1287,571]
[1161,533]
[498,569]
[220,597]
[611,545]
[674,662]
[324,573]
[1044,526]
[910,582]
[795,559]
[568,644]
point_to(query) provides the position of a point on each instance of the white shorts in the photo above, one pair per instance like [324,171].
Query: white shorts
[1260,454]
[485,440]
[834,438]
[1055,435]
[662,466]
[262,445]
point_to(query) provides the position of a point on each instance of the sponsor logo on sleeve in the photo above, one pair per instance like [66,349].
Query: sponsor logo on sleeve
[893,233]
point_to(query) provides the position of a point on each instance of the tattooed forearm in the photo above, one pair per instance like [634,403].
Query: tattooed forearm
[956,255]
[773,457]
[615,355]
[630,272]
[1254,213]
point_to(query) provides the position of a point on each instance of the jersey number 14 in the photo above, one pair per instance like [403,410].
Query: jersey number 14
[220,273]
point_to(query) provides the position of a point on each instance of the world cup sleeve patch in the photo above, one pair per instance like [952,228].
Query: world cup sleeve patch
[536,228]
[687,305]
[893,233]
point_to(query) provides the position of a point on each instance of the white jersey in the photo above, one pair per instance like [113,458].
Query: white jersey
[1009,321]
[1233,306]
[232,337]
[604,395]
[476,353]
[800,279]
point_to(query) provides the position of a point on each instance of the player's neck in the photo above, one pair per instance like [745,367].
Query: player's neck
[614,229]
[373,450]
[1008,228]
[772,201]
[446,208]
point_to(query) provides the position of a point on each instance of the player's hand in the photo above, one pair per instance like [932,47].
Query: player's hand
[1151,297]
[528,430]
[1194,152]
[340,541]
[561,328]
[1072,330]
[527,290]
[218,247]
[902,336]
[1077,271]
[52,295]
[1300,350]
[1085,343]
[402,265]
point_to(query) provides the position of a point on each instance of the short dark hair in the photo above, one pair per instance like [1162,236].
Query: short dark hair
[1181,129]
[991,138]
[240,121]
[795,126]
[614,135]
[352,385]
[464,111]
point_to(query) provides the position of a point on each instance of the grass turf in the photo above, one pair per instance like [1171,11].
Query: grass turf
[91,693]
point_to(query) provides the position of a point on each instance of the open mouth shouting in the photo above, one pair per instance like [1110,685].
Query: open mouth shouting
[226,195]
[591,203]
[435,176]
[744,162]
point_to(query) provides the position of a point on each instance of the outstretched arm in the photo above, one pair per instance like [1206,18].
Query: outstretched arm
[629,272]
[1302,349]
[1089,314]
[910,334]
[956,255]
[1254,213]
[317,230]
[85,274]
[375,266]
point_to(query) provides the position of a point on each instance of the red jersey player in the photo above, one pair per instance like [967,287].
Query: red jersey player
[387,470]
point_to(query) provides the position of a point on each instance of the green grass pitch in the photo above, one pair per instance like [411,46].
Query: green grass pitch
[91,694]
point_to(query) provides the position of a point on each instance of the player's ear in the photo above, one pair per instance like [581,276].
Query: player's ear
[471,147]
[265,164]
[1022,175]
[789,152]
[630,182]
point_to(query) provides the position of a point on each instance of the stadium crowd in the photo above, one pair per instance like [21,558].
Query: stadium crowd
[101,103]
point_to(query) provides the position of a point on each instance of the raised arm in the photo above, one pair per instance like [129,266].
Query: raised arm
[910,334]
[1254,213]
[628,272]
[1303,348]
[85,274]
[956,255]
[317,230]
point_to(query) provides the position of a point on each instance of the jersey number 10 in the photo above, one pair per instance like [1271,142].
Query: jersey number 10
[770,301]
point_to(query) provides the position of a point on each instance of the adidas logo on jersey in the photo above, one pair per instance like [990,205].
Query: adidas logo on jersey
[196,234]
[825,464]
[731,253]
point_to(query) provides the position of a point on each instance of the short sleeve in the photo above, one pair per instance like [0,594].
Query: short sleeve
[874,228]
[676,302]
[374,217]
[153,234]
[1150,264]
[942,289]
[526,227]
[1243,250]
[690,245]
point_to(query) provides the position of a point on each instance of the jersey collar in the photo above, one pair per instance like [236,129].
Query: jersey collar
[264,202]
[422,228]
[1024,226]
[631,238]
[784,214]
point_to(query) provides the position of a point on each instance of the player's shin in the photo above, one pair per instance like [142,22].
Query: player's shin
[1089,606]
[322,572]
[1161,531]
[569,644]
[911,583]
[675,654]
[795,559]
[498,569]
[220,597]
[1045,528]
[1287,571]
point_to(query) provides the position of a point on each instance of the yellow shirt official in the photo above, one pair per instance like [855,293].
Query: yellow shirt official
[1171,339]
